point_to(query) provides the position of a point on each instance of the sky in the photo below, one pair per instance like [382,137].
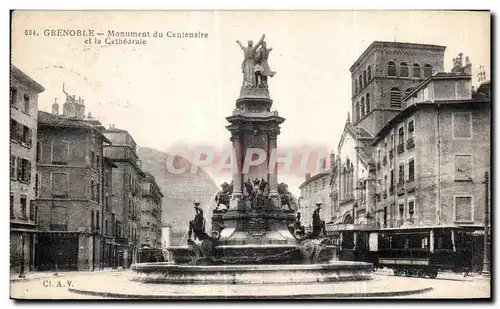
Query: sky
[179,91]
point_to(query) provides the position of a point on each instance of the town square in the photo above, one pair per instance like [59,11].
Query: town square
[234,158]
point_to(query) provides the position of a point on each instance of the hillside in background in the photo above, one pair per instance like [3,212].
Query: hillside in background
[180,190]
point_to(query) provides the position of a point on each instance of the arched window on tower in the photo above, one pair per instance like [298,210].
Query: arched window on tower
[391,69]
[362,106]
[369,73]
[416,71]
[357,111]
[427,70]
[360,81]
[364,78]
[396,97]
[404,72]
[367,103]
[355,85]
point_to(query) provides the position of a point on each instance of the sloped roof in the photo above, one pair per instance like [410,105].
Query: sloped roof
[51,120]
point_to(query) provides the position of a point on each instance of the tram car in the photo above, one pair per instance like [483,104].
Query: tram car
[409,251]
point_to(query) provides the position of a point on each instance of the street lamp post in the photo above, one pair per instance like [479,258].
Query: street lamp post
[486,262]
[22,271]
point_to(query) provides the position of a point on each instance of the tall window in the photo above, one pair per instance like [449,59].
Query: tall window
[462,125]
[358,116]
[463,209]
[392,178]
[20,133]
[98,192]
[92,222]
[391,69]
[362,107]
[401,211]
[355,85]
[92,158]
[369,73]
[401,134]
[12,214]
[395,97]
[367,103]
[411,129]
[404,71]
[12,167]
[24,204]
[98,220]
[92,189]
[411,211]
[32,210]
[13,130]
[463,168]
[364,78]
[401,173]
[26,104]
[37,184]
[13,97]
[416,70]
[23,170]
[27,136]
[411,170]
[20,169]
[361,81]
[38,151]
[427,70]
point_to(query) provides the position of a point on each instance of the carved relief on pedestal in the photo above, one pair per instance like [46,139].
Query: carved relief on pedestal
[257,227]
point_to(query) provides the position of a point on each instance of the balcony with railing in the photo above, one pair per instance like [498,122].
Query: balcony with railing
[411,185]
[401,148]
[410,143]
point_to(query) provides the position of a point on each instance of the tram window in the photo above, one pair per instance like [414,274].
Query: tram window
[444,239]
[462,239]
[425,242]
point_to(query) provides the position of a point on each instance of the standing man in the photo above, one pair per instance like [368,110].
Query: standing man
[318,225]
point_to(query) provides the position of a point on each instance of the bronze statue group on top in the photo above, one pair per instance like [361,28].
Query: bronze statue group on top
[255,67]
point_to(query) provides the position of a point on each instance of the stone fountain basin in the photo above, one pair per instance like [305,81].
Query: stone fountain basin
[334,271]
[253,254]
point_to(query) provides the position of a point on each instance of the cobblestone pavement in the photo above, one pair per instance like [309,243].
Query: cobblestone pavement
[56,287]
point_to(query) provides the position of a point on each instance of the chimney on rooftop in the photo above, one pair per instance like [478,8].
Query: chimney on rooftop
[80,108]
[55,107]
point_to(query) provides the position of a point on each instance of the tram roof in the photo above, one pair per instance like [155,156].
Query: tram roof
[401,228]
[422,227]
